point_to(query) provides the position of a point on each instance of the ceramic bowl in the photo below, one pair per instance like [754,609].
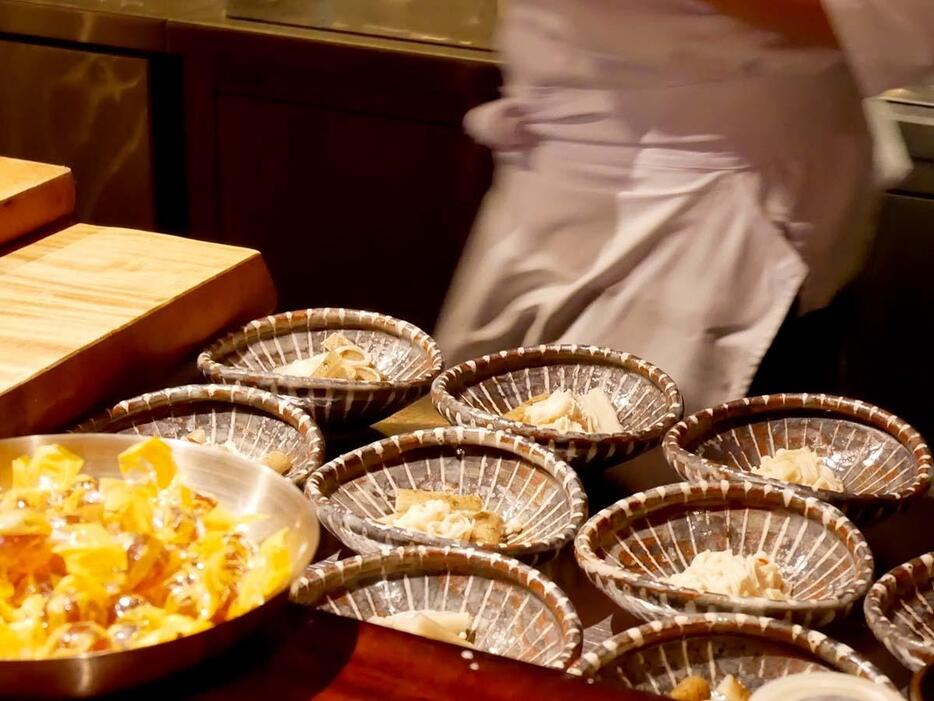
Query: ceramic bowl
[516,611]
[881,460]
[516,479]
[404,354]
[628,549]
[478,393]
[900,611]
[247,421]
[239,485]
[656,656]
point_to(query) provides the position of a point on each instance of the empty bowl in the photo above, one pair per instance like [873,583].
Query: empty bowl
[656,656]
[515,478]
[246,421]
[882,462]
[516,612]
[479,392]
[900,611]
[407,357]
[630,548]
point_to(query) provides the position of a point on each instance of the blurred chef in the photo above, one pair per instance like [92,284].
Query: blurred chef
[674,175]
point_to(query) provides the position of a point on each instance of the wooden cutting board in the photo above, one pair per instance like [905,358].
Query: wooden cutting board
[32,195]
[90,312]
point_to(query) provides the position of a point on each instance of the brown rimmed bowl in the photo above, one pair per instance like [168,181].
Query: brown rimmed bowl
[238,484]
[656,656]
[629,548]
[516,479]
[478,392]
[883,462]
[900,611]
[403,353]
[517,612]
[246,421]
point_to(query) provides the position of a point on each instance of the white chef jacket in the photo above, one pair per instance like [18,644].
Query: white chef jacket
[670,179]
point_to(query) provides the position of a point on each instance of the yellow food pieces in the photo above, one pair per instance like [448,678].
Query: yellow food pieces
[90,565]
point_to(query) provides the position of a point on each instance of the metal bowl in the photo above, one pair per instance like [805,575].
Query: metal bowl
[239,485]
[248,421]
[656,656]
[629,549]
[883,462]
[403,353]
[479,392]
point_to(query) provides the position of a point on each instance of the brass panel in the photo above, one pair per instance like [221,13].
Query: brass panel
[90,112]
[467,23]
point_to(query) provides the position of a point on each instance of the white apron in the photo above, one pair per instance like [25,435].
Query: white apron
[668,198]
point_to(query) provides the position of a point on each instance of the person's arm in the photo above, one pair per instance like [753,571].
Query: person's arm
[802,21]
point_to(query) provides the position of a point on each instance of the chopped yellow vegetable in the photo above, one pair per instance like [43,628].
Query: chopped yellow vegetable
[90,565]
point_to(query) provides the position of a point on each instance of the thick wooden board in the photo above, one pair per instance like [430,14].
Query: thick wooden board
[32,195]
[92,311]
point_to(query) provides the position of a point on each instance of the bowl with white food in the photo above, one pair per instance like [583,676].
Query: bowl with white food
[343,366]
[723,656]
[699,547]
[481,601]
[244,421]
[862,459]
[462,487]
[592,406]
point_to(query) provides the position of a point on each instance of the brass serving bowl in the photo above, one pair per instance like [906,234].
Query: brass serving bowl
[240,486]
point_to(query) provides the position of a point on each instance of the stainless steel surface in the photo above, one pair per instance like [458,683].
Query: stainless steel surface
[239,485]
[467,23]
[923,95]
[89,111]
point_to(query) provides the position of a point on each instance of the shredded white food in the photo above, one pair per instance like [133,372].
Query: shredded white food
[800,466]
[341,360]
[444,626]
[722,572]
[452,516]
[567,412]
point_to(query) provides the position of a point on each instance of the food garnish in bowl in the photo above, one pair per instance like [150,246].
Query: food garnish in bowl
[801,466]
[94,565]
[341,360]
[444,626]
[695,688]
[569,412]
[454,516]
[723,572]
[275,459]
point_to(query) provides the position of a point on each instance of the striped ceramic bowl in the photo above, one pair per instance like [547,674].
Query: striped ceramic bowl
[479,392]
[247,421]
[882,461]
[516,612]
[630,548]
[516,479]
[900,611]
[656,656]
[401,352]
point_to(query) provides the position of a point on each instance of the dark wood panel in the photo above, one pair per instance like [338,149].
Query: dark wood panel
[887,359]
[348,209]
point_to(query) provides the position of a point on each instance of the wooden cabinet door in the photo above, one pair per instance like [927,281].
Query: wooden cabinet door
[348,209]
